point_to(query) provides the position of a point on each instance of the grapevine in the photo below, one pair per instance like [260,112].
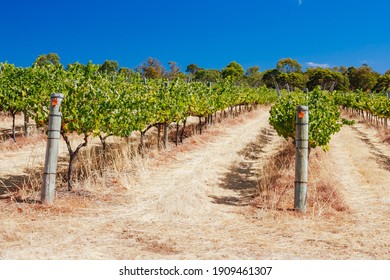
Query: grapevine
[324,116]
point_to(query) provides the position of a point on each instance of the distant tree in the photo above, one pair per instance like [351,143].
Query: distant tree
[192,68]
[294,80]
[233,70]
[383,83]
[270,77]
[174,70]
[252,71]
[288,65]
[109,67]
[210,75]
[342,81]
[387,72]
[350,70]
[343,70]
[253,76]
[325,78]
[362,78]
[152,68]
[47,59]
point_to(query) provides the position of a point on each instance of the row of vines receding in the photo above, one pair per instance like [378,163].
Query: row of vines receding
[100,105]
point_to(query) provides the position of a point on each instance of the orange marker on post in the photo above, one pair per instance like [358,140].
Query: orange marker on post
[54,102]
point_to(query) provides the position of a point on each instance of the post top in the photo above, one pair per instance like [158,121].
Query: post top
[302,108]
[57,95]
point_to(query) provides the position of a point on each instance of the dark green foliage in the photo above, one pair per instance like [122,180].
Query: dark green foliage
[233,70]
[383,83]
[270,77]
[288,65]
[362,78]
[109,67]
[51,58]
[253,76]
[209,75]
[325,78]
[294,80]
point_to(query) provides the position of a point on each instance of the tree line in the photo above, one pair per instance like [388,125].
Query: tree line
[288,74]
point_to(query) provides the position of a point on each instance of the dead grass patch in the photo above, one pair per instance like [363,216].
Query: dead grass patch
[150,243]
[276,187]
[22,142]
[384,135]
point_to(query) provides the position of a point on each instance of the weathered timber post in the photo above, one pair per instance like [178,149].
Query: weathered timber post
[307,93]
[166,125]
[166,133]
[182,130]
[277,90]
[301,158]
[177,133]
[53,139]
[158,136]
[26,124]
[332,87]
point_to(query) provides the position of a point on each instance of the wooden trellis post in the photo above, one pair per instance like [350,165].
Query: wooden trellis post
[301,158]
[52,147]
[166,126]
[277,90]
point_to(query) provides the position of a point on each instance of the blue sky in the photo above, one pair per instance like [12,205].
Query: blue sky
[210,33]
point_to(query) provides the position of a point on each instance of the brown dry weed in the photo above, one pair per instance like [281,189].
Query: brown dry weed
[276,185]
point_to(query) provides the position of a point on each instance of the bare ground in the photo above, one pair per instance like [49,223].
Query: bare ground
[196,204]
[362,164]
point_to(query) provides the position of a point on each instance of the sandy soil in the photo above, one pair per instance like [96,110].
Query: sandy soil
[195,204]
[362,164]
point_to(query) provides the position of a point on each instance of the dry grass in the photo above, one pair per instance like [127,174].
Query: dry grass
[276,186]
[22,142]
[384,135]
[326,198]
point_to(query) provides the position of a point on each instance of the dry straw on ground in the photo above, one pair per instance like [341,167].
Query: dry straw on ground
[276,185]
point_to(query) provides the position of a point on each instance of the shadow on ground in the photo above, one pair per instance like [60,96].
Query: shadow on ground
[242,177]
[380,158]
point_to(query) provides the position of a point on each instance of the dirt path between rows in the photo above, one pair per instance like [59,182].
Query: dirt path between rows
[196,205]
[362,164]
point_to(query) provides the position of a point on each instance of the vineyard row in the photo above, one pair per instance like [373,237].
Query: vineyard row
[98,105]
